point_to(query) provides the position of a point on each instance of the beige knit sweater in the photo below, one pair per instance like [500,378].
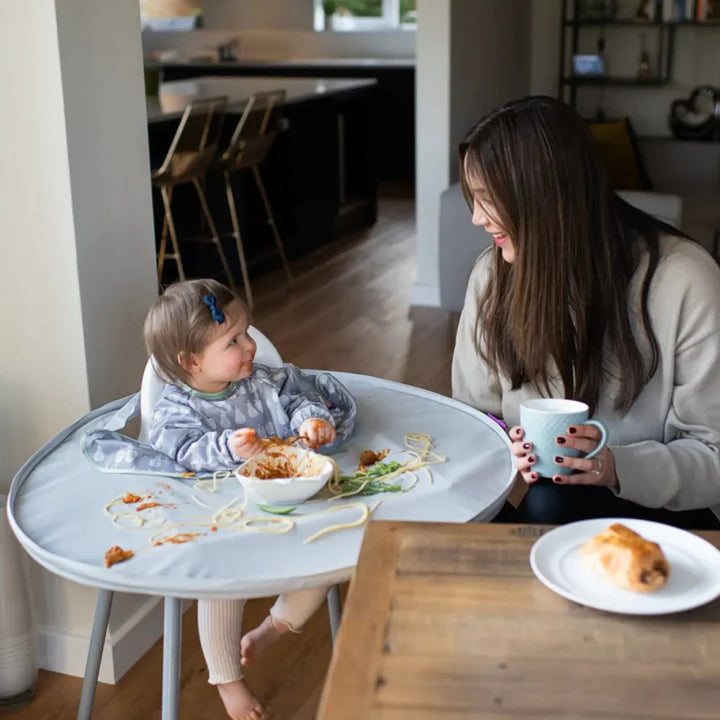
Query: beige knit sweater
[667,447]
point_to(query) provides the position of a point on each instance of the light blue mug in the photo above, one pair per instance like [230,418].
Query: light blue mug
[543,419]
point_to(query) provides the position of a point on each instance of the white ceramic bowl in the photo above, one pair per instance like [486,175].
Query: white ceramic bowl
[315,471]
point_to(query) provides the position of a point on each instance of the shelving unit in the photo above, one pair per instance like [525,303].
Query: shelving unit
[572,24]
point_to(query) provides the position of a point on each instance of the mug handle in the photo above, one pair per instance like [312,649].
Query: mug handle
[603,439]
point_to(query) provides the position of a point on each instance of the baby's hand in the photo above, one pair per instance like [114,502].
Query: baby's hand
[315,432]
[245,443]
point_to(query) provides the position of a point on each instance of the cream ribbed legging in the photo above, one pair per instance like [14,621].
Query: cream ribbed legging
[220,628]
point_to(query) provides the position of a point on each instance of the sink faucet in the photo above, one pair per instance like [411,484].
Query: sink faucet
[227,51]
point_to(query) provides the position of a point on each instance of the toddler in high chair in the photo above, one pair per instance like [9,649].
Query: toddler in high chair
[212,414]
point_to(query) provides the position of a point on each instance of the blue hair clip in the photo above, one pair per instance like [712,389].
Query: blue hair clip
[217,314]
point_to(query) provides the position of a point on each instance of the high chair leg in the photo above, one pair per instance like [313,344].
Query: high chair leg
[172,642]
[214,233]
[95,650]
[167,196]
[334,611]
[238,240]
[273,226]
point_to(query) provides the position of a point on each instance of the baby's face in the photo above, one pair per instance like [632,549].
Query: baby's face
[228,355]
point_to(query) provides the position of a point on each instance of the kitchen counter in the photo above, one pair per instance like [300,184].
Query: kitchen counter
[293,62]
[394,95]
[176,95]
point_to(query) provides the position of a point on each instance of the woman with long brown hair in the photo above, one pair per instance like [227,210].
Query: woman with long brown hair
[583,296]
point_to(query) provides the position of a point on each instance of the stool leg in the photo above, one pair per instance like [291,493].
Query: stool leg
[163,241]
[213,230]
[238,240]
[92,666]
[334,611]
[166,196]
[172,648]
[271,221]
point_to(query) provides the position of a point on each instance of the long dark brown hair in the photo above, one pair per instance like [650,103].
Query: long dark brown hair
[565,297]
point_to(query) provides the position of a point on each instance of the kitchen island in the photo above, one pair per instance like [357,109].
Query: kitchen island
[395,93]
[321,172]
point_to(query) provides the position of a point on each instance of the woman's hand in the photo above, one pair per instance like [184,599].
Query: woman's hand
[245,443]
[599,470]
[315,432]
[524,458]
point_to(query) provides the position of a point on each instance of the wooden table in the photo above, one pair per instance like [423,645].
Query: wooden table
[448,621]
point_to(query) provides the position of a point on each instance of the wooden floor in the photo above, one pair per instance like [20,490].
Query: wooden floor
[349,311]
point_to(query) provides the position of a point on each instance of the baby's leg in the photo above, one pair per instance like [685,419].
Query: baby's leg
[220,626]
[289,613]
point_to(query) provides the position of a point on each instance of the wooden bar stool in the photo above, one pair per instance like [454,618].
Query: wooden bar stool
[248,147]
[188,160]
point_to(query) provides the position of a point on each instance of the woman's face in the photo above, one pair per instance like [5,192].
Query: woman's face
[485,216]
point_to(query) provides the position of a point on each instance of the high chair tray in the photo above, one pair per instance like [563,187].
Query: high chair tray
[56,503]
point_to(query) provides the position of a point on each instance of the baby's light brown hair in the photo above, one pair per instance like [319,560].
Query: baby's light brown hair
[180,322]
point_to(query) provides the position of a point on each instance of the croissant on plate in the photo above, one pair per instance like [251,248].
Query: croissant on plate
[627,559]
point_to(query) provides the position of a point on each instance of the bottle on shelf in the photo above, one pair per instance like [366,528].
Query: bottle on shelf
[644,72]
[602,56]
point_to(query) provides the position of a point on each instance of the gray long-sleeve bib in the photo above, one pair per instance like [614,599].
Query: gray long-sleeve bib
[189,431]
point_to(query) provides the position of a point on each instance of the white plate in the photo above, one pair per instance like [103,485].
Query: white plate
[694,569]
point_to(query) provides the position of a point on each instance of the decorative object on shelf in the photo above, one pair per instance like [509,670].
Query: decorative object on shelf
[698,117]
[645,11]
[644,71]
[329,8]
[601,54]
[703,10]
[588,65]
[597,9]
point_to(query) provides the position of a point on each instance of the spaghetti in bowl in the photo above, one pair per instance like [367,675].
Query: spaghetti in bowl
[284,475]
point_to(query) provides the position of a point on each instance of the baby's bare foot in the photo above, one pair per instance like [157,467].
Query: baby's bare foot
[240,703]
[254,643]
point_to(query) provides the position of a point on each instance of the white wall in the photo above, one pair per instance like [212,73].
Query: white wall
[78,270]
[472,55]
[489,62]
[253,15]
[544,46]
[432,139]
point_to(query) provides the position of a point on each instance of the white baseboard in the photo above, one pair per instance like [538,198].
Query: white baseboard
[425,295]
[66,653]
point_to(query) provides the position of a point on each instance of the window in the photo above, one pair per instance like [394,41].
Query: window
[171,14]
[365,14]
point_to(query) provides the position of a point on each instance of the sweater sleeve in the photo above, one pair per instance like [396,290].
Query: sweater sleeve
[299,397]
[683,472]
[473,382]
[182,434]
